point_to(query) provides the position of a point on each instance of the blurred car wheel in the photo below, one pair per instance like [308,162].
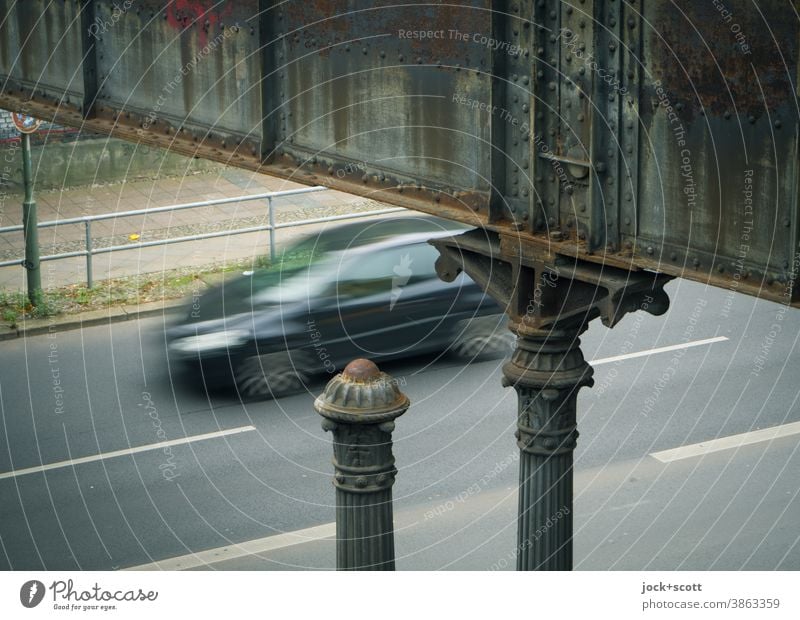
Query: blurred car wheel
[272,375]
[482,338]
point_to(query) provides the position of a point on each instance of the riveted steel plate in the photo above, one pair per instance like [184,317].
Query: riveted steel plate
[645,135]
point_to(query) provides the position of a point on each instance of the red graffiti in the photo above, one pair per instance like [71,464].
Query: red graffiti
[205,14]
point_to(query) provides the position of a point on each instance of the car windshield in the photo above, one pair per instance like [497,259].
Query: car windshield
[303,282]
[305,266]
[293,261]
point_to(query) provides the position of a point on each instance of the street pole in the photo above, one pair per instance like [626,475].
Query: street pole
[359,407]
[30,226]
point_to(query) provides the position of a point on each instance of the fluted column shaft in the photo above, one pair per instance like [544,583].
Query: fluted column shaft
[364,477]
[547,370]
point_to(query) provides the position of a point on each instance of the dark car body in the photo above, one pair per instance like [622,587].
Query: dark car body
[367,289]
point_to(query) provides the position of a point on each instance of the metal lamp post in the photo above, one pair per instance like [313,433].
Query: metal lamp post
[28,125]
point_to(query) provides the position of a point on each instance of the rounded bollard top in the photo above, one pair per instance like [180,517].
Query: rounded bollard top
[362,394]
[361,370]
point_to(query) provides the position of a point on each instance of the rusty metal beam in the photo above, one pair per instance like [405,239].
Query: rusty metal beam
[619,133]
[117,124]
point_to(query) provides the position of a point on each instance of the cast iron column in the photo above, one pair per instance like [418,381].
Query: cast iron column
[359,407]
[550,299]
[547,370]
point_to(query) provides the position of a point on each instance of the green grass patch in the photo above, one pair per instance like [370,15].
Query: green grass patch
[131,290]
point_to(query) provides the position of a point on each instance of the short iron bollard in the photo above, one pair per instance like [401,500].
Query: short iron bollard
[359,407]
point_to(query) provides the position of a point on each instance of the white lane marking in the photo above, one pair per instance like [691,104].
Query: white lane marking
[672,347]
[116,453]
[250,547]
[726,443]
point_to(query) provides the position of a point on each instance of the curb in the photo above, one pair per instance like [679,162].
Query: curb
[117,314]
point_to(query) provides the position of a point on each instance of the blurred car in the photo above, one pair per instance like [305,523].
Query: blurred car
[364,289]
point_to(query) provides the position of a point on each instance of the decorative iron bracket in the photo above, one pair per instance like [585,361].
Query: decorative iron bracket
[543,290]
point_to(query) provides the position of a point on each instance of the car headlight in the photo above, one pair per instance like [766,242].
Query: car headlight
[208,342]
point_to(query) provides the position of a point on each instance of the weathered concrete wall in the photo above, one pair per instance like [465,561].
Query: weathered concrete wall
[99,160]
[65,157]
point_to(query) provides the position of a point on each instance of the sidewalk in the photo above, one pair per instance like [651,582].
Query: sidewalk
[228,183]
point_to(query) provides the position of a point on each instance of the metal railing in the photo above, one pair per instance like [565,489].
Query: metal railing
[87,220]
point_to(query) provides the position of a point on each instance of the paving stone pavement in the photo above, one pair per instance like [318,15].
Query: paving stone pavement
[147,194]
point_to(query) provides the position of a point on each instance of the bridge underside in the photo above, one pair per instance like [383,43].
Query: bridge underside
[600,147]
[626,134]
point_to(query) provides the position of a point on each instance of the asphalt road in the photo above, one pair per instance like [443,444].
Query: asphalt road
[66,396]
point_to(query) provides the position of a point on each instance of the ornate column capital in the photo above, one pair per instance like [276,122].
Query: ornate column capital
[361,394]
[359,406]
[547,359]
[547,370]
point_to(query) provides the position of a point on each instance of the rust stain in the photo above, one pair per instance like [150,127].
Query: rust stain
[728,61]
[361,371]
[325,23]
[181,14]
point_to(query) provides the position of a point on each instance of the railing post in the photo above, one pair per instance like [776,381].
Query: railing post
[271,212]
[359,406]
[88,226]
